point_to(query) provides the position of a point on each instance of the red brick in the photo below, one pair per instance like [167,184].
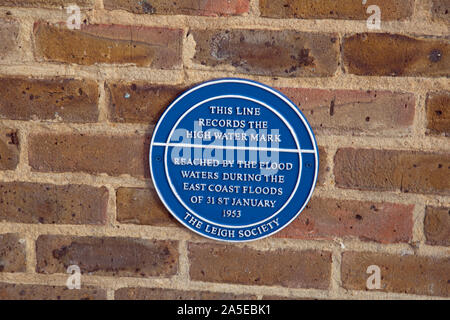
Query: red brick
[392,170]
[46,3]
[437,226]
[403,274]
[125,257]
[9,34]
[253,51]
[440,9]
[171,294]
[187,7]
[283,267]
[96,154]
[142,206]
[368,221]
[10,291]
[335,9]
[9,148]
[27,202]
[153,47]
[139,102]
[66,100]
[322,166]
[438,113]
[383,54]
[355,111]
[12,253]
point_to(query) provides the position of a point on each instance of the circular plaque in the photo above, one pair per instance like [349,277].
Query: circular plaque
[234,160]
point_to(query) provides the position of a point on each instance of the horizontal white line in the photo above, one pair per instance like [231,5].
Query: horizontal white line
[189,145]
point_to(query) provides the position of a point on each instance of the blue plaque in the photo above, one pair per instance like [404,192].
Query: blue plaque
[234,160]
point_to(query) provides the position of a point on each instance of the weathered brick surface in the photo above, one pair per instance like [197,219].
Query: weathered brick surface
[10,291]
[354,111]
[139,102]
[284,53]
[383,54]
[287,268]
[46,3]
[368,221]
[187,7]
[440,10]
[170,294]
[438,113]
[27,202]
[83,104]
[9,33]
[392,170]
[437,226]
[113,155]
[322,166]
[404,274]
[332,9]
[9,148]
[142,206]
[113,44]
[66,100]
[126,257]
[12,253]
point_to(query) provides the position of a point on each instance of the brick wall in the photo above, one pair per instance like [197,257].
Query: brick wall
[77,110]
